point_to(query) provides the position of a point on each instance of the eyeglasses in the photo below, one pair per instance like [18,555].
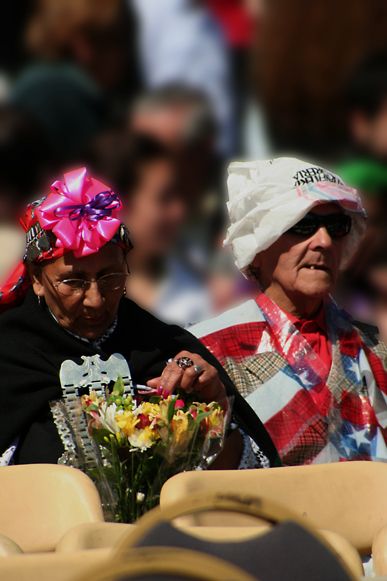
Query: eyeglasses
[78,286]
[337,225]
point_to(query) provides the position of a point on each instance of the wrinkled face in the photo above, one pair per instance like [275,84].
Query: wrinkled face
[90,313]
[298,272]
[155,211]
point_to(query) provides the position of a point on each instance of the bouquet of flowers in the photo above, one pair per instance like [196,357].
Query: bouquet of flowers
[141,442]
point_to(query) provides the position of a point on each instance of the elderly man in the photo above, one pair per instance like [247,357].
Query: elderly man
[317,379]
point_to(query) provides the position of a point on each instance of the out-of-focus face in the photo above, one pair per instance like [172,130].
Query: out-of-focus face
[167,124]
[88,314]
[370,133]
[297,272]
[156,210]
[173,125]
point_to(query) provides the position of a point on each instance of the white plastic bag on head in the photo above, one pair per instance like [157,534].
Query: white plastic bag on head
[266,198]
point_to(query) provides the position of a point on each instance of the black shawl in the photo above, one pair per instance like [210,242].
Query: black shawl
[33,347]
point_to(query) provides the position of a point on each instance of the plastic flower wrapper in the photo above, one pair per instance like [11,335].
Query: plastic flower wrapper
[142,441]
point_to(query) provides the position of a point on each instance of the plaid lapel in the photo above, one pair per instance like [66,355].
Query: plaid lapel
[250,373]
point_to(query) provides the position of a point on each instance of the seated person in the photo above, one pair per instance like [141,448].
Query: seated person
[67,326]
[317,379]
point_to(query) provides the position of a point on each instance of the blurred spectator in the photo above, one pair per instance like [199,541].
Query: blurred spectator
[85,65]
[182,119]
[226,285]
[369,176]
[68,105]
[96,35]
[360,289]
[162,281]
[25,161]
[181,43]
[240,22]
[25,164]
[366,97]
[305,52]
[377,288]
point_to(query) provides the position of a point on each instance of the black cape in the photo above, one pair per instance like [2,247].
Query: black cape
[33,347]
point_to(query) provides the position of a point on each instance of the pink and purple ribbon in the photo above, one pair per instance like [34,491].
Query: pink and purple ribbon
[81,211]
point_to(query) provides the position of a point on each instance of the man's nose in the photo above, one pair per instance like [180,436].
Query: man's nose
[321,238]
[93,297]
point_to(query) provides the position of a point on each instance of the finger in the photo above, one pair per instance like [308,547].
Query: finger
[170,378]
[155,382]
[189,379]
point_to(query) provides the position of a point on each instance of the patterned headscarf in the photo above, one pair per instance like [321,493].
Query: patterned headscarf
[80,215]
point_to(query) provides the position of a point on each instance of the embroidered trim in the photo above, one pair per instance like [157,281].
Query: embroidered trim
[62,423]
[80,450]
[252,455]
[7,456]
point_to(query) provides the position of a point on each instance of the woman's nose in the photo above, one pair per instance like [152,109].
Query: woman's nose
[93,297]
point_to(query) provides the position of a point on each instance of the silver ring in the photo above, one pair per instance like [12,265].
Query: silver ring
[184,362]
[198,369]
[170,360]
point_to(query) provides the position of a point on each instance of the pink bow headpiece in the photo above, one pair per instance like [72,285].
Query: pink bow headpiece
[81,211]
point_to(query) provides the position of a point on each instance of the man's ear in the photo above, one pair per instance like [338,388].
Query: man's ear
[35,273]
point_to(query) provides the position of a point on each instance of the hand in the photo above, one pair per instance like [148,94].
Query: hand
[201,377]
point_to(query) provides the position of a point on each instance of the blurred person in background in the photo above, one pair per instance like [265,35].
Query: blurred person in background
[366,107]
[240,21]
[183,120]
[361,290]
[226,285]
[318,379]
[162,279]
[83,68]
[180,42]
[25,163]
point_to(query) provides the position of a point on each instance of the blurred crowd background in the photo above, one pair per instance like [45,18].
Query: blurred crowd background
[156,96]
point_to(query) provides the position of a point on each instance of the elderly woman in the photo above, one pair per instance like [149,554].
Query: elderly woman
[317,379]
[67,327]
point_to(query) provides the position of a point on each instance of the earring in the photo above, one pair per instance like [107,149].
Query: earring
[40,301]
[124,292]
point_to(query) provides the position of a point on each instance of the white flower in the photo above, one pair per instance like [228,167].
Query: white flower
[108,414]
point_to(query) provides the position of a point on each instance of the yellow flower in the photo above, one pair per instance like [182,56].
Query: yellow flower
[163,409]
[215,423]
[149,409]
[143,439]
[181,434]
[126,422]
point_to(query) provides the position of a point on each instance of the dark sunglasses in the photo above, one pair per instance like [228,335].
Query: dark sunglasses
[337,225]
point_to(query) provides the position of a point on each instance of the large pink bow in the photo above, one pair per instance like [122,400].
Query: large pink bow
[81,211]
